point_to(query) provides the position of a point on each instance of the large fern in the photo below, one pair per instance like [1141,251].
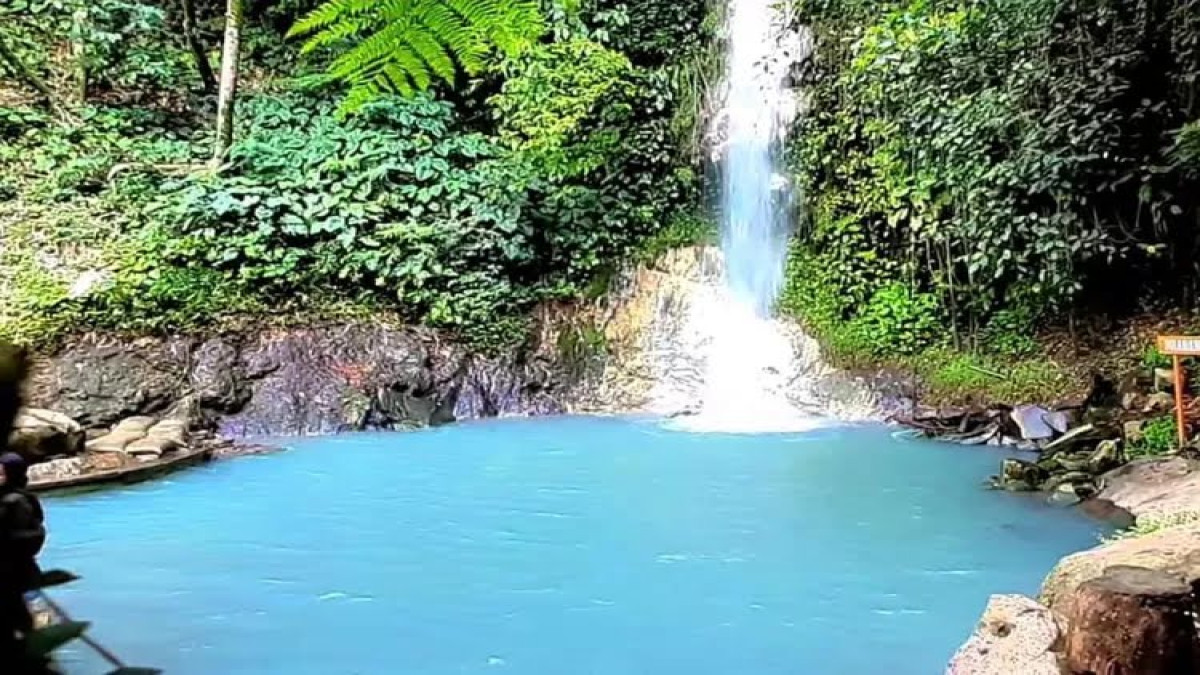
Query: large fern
[401,46]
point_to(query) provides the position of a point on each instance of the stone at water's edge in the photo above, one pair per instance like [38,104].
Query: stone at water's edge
[1174,550]
[1015,636]
[39,434]
[1148,489]
[297,381]
[1152,488]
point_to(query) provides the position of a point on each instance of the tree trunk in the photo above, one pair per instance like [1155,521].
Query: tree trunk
[1132,621]
[207,79]
[79,29]
[26,74]
[227,93]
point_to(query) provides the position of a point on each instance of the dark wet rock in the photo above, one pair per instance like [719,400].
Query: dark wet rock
[1074,461]
[1056,480]
[218,377]
[98,381]
[1103,393]
[1018,475]
[1065,494]
[318,379]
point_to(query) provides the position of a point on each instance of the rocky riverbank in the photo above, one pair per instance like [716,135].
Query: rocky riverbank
[1054,633]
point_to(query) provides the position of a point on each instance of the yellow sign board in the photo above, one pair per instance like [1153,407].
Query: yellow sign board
[1179,345]
[1176,346]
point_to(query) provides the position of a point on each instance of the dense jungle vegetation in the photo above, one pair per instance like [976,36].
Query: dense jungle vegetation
[971,172]
[449,161]
[977,170]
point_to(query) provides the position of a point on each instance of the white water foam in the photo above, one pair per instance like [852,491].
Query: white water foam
[755,377]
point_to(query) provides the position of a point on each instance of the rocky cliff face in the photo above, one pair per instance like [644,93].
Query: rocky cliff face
[632,349]
[317,379]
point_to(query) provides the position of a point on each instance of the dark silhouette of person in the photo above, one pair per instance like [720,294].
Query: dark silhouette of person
[22,528]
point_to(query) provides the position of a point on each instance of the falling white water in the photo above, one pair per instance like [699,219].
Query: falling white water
[755,379]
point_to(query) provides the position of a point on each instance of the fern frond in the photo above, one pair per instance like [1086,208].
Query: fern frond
[403,45]
[331,13]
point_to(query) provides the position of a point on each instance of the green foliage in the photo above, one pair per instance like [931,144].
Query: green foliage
[686,229]
[401,46]
[1152,358]
[529,170]
[1159,437]
[900,321]
[1012,159]
[1187,147]
[125,44]
[553,99]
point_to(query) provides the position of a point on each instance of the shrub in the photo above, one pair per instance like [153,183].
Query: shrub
[1159,437]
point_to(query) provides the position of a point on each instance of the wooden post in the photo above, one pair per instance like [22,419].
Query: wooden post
[1131,621]
[1177,365]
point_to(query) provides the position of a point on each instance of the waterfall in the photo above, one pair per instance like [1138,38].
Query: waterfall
[758,373]
[694,335]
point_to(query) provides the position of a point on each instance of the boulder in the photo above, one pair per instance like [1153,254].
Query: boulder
[1059,421]
[1173,550]
[1031,422]
[1159,402]
[1070,493]
[1164,379]
[1075,461]
[1020,476]
[1064,495]
[1107,455]
[41,434]
[1133,400]
[99,380]
[1132,620]
[1015,635]
[1079,438]
[218,378]
[1054,481]
[1154,487]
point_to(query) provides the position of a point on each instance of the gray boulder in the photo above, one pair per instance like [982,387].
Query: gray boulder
[41,434]
[1031,421]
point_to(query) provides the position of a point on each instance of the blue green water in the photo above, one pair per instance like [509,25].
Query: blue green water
[558,547]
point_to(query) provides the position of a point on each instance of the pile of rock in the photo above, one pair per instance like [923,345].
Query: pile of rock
[1125,606]
[1069,455]
[1067,467]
